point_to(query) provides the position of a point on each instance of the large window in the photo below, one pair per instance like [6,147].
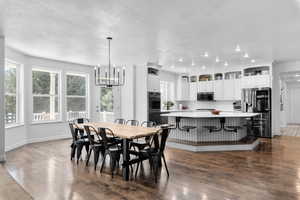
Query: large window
[46,100]
[11,93]
[106,100]
[77,98]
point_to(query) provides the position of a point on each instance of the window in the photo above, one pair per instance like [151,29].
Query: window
[167,92]
[77,98]
[45,91]
[11,93]
[106,105]
[106,100]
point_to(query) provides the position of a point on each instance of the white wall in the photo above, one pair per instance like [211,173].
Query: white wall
[27,132]
[278,69]
[293,105]
[2,130]
[141,98]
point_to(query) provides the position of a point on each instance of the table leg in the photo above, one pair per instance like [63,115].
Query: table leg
[125,159]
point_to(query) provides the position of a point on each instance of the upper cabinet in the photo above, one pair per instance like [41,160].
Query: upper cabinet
[256,77]
[205,83]
[183,88]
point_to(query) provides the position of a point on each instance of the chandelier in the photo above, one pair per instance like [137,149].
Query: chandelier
[107,76]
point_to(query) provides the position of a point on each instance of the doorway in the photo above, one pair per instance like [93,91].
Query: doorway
[293,116]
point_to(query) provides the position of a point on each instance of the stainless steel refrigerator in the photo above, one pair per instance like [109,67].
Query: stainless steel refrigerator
[258,100]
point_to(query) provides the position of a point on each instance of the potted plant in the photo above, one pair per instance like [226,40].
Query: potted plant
[168,104]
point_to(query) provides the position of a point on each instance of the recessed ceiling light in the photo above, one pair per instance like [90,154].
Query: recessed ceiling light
[226,64]
[297,75]
[237,49]
[217,59]
[180,59]
[253,61]
[206,54]
[298,80]
[193,64]
[203,67]
[246,55]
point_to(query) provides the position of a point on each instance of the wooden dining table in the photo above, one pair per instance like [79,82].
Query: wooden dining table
[126,133]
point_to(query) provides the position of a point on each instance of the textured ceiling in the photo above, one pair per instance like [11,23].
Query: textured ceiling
[154,30]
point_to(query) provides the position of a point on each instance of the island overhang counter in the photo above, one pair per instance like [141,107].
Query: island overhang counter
[204,131]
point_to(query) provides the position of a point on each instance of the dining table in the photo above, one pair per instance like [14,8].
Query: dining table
[127,133]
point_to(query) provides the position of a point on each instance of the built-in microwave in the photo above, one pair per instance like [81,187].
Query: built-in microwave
[205,96]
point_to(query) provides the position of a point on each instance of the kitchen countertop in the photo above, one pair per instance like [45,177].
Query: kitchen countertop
[204,114]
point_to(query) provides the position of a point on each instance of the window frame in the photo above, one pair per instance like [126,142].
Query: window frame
[18,94]
[59,94]
[87,91]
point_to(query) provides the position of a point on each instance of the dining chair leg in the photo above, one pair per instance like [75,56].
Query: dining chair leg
[88,157]
[137,169]
[87,147]
[73,151]
[166,166]
[79,149]
[96,158]
[103,163]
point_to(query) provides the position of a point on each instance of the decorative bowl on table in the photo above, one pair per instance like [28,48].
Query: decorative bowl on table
[215,112]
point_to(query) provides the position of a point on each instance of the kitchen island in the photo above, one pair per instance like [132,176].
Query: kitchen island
[204,131]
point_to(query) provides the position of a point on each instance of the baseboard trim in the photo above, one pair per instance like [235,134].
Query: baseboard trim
[35,140]
[15,146]
[45,139]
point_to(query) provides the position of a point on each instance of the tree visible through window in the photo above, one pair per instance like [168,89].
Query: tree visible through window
[11,93]
[45,95]
[106,100]
[76,97]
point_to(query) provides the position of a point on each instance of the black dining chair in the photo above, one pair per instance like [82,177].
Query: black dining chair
[120,121]
[112,148]
[132,122]
[155,155]
[96,145]
[142,143]
[77,143]
[80,121]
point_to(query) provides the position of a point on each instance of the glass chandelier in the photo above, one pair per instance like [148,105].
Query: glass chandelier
[107,76]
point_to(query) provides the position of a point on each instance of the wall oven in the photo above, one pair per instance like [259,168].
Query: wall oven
[154,104]
[205,96]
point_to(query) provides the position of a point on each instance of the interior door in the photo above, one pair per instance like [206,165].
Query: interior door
[294,106]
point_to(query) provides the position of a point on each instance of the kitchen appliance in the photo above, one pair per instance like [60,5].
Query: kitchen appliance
[258,100]
[154,104]
[237,105]
[205,96]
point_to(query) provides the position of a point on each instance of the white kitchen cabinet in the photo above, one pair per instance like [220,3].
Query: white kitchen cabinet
[257,81]
[229,90]
[238,89]
[153,83]
[193,91]
[218,90]
[183,88]
[205,86]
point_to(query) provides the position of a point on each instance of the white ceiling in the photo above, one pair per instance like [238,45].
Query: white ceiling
[154,30]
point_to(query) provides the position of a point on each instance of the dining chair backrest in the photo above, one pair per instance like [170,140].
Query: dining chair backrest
[81,120]
[148,124]
[132,122]
[103,134]
[163,139]
[120,121]
[88,130]
[73,132]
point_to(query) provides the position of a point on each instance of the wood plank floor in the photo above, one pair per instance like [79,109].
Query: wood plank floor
[272,172]
[9,188]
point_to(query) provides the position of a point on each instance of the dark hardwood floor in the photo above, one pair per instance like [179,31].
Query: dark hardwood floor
[270,172]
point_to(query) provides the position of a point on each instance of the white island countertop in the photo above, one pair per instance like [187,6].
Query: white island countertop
[202,114]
